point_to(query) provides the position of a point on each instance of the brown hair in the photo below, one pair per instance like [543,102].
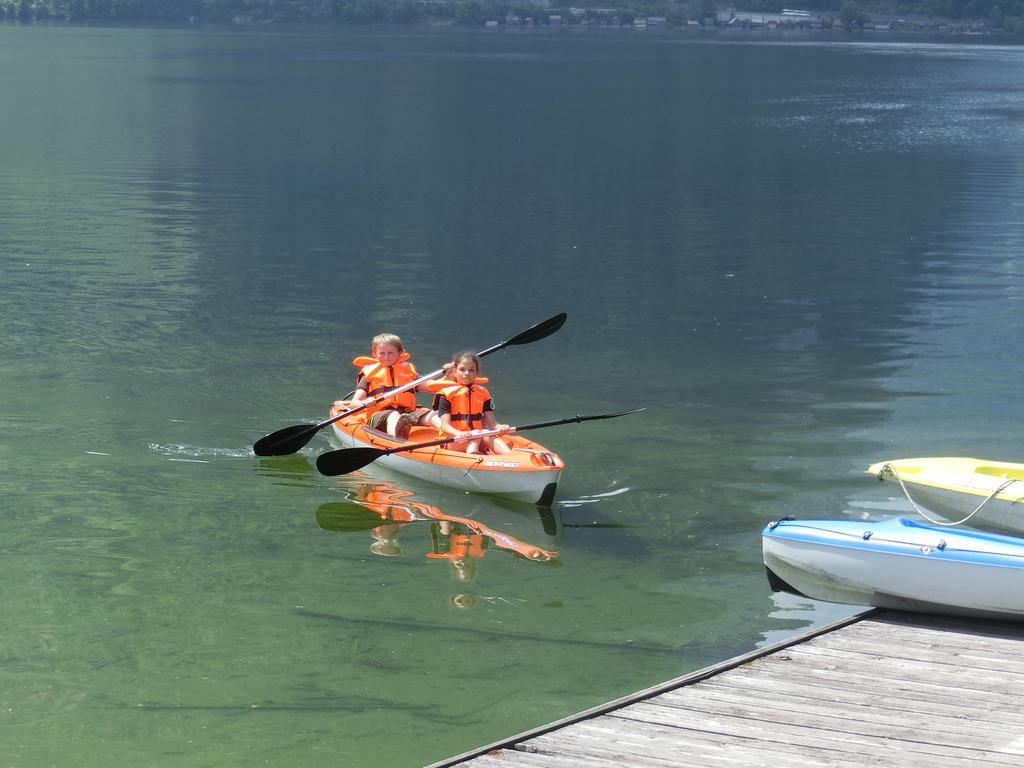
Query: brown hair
[458,357]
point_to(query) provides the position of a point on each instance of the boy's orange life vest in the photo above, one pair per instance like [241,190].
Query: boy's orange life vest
[467,402]
[380,379]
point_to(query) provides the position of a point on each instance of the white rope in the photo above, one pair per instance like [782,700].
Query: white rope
[1003,486]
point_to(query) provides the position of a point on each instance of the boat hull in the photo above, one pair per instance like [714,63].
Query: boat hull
[900,564]
[529,473]
[989,493]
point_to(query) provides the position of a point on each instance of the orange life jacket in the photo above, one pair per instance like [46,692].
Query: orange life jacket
[467,402]
[392,506]
[459,546]
[380,379]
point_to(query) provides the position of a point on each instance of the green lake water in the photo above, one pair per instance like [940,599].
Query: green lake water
[801,255]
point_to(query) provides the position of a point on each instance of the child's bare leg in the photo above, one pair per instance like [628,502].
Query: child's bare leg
[458,445]
[391,427]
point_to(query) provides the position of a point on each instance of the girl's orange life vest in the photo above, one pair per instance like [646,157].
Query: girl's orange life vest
[460,546]
[378,379]
[467,402]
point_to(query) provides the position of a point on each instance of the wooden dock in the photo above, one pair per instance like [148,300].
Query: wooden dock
[881,689]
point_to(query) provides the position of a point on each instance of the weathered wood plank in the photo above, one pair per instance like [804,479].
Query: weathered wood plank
[840,718]
[508,758]
[934,728]
[855,693]
[821,735]
[900,647]
[620,751]
[958,650]
[668,752]
[750,747]
[1011,650]
[887,691]
[706,748]
[938,630]
[982,628]
[910,670]
[593,743]
[827,673]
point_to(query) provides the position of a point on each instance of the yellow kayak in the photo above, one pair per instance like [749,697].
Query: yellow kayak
[981,492]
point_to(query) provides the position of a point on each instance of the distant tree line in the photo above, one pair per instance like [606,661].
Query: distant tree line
[1006,15]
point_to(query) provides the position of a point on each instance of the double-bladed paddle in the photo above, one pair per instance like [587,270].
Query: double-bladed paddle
[291,439]
[345,460]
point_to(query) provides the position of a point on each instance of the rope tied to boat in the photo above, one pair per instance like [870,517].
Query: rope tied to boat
[474,465]
[999,489]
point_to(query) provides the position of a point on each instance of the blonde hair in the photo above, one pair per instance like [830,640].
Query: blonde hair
[386,338]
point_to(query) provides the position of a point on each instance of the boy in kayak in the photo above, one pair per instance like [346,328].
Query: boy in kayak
[389,368]
[465,407]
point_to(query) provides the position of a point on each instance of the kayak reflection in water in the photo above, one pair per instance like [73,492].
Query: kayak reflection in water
[383,509]
[459,545]
[385,540]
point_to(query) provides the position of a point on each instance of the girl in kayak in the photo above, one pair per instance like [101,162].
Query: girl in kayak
[465,406]
[389,368]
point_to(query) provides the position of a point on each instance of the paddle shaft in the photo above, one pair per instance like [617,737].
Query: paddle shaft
[292,439]
[505,431]
[345,460]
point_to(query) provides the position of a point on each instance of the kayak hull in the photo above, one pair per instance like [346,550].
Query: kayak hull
[530,472]
[898,563]
[989,493]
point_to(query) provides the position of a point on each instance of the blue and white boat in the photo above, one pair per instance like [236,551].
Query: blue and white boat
[898,563]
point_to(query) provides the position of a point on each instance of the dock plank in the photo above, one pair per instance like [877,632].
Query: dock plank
[772,718]
[854,693]
[883,689]
[939,689]
[709,748]
[984,658]
[906,670]
[636,747]
[821,732]
[866,715]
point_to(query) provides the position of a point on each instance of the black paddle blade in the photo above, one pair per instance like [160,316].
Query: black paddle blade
[285,441]
[346,460]
[540,330]
[613,415]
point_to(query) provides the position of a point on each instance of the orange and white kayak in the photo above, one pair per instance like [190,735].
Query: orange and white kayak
[529,472]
